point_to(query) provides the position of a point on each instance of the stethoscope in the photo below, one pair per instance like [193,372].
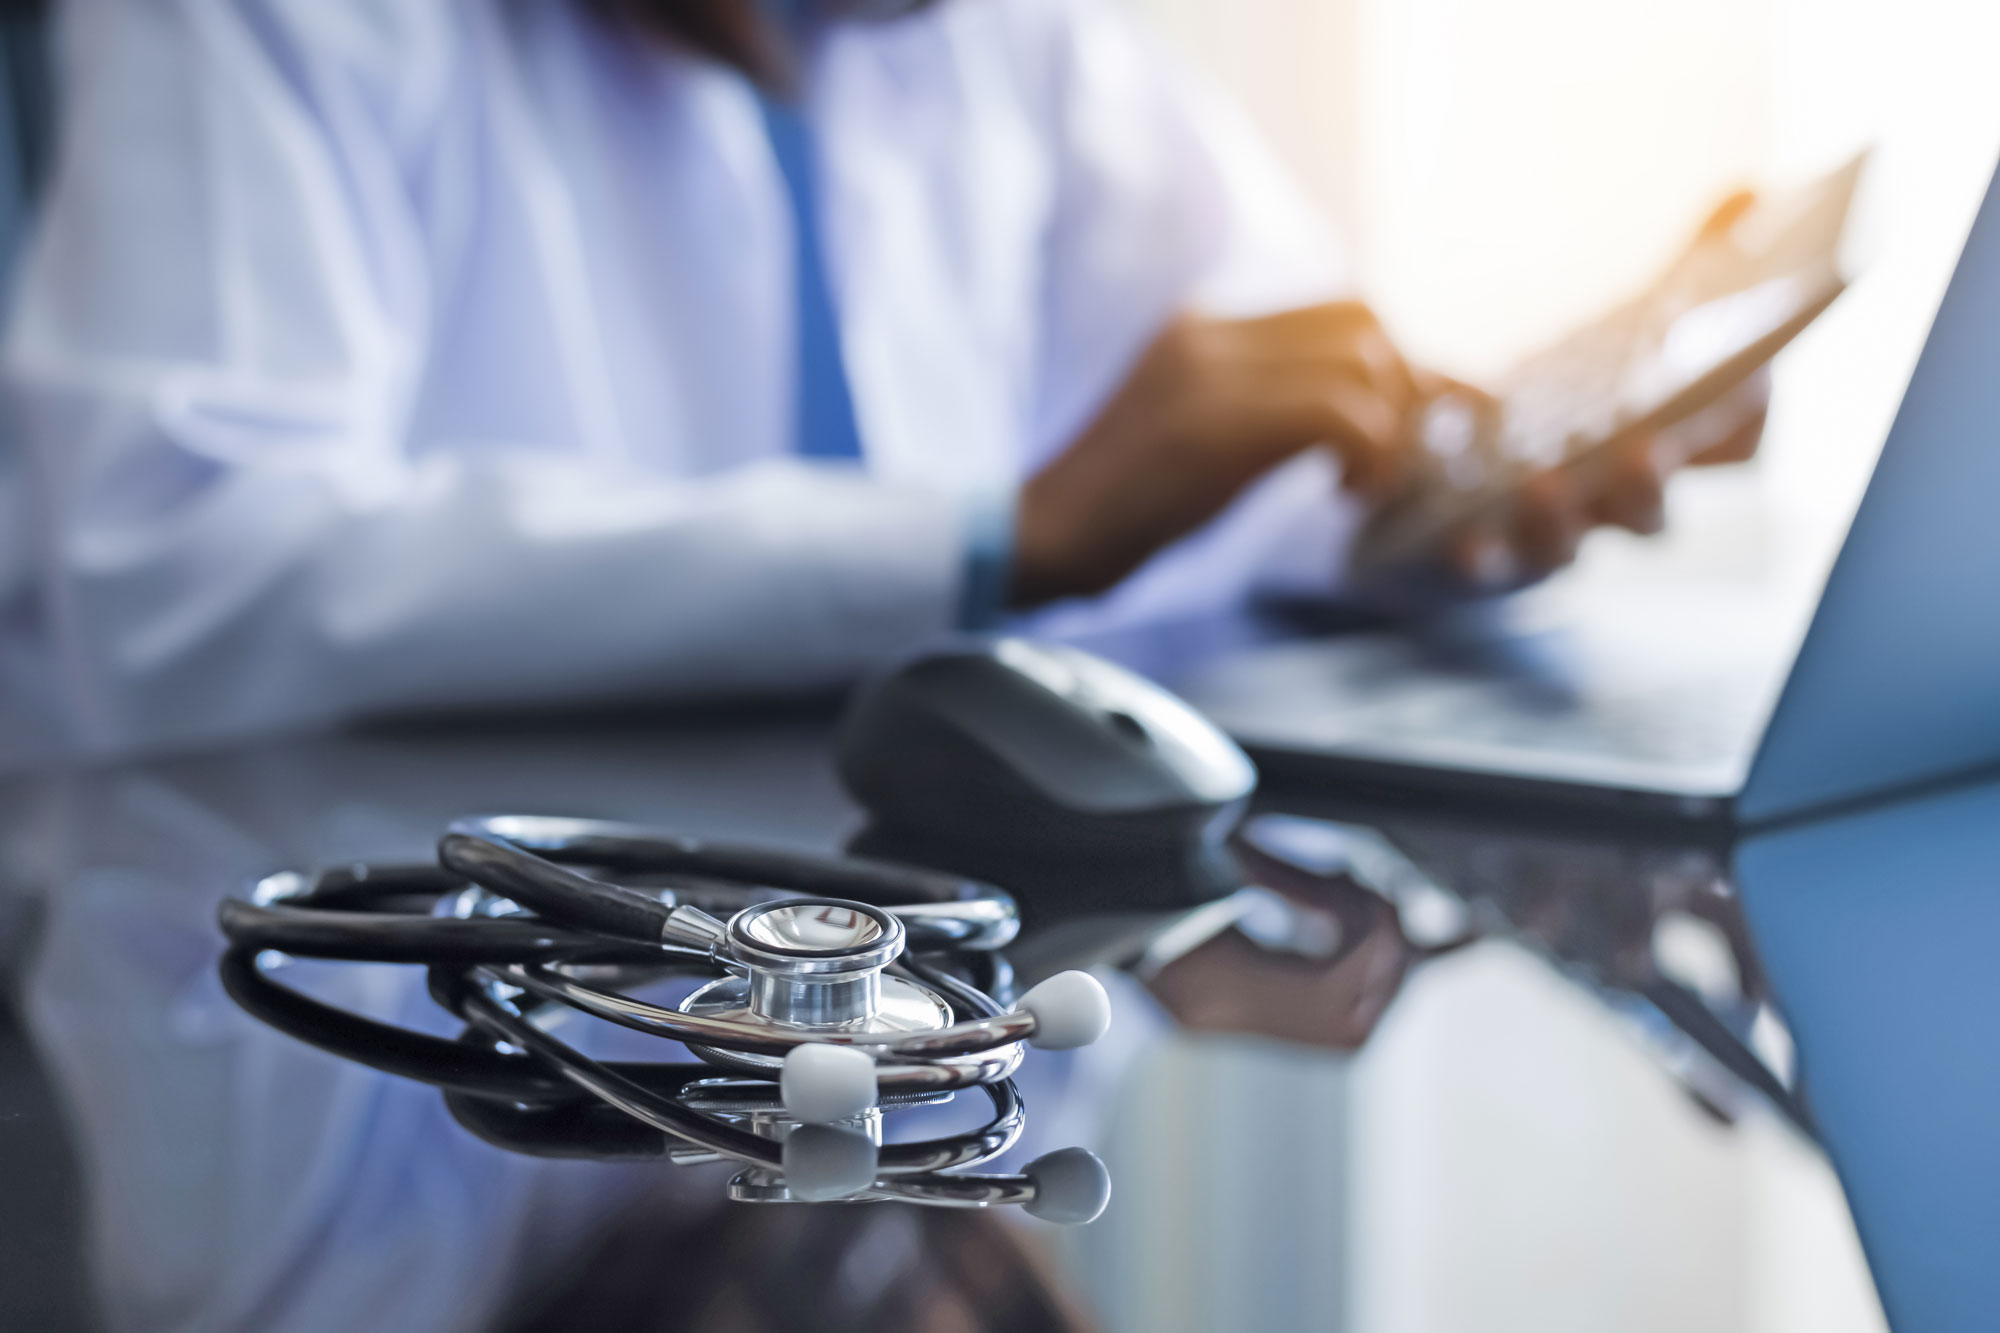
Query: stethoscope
[836,978]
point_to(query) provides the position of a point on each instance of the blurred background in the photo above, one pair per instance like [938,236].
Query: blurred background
[1500,173]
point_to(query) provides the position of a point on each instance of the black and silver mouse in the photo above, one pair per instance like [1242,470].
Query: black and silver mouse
[1037,746]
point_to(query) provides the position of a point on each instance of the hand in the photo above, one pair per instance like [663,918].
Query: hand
[1541,528]
[1626,488]
[1550,515]
[1210,406]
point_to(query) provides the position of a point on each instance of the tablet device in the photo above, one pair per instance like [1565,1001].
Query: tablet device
[1722,310]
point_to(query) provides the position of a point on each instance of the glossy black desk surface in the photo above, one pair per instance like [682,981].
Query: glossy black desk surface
[1538,1128]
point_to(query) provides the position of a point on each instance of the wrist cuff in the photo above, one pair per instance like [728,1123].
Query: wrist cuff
[989,558]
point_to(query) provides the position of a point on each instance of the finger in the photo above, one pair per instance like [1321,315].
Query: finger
[1731,430]
[1315,330]
[1717,224]
[1739,446]
[1363,430]
[1634,495]
[1725,433]
[1728,430]
[1548,522]
[1383,367]
[1727,214]
[1480,556]
[1735,438]
[1345,338]
[1430,384]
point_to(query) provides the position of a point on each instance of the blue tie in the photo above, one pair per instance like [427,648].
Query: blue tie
[825,427]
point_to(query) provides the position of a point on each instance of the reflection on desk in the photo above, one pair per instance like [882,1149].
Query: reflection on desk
[1500,1151]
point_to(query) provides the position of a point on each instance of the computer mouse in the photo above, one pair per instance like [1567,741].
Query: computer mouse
[1035,746]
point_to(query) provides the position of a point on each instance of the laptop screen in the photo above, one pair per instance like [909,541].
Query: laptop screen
[1899,677]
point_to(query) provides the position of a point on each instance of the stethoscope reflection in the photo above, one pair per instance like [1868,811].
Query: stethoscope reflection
[1653,930]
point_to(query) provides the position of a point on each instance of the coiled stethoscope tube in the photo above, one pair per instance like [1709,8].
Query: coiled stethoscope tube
[816,992]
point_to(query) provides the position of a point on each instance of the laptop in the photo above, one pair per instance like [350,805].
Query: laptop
[1706,710]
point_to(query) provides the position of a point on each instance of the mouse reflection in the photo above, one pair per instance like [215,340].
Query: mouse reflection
[1653,929]
[1307,958]
[1228,937]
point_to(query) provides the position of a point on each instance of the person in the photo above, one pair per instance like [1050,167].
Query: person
[377,356]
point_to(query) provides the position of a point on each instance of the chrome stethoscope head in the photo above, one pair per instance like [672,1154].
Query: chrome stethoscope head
[817,963]
[814,964]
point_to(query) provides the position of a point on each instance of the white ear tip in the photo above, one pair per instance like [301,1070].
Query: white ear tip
[825,1162]
[1070,1009]
[1071,1187]
[822,1083]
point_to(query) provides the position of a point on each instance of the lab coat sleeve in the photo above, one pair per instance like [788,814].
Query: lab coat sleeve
[212,363]
[1170,201]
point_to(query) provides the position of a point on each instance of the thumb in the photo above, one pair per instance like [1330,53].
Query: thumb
[1726,215]
[1365,432]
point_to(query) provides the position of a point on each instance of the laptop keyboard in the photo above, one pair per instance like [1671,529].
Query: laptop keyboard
[1690,722]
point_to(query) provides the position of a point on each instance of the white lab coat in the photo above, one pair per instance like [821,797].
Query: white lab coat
[392,354]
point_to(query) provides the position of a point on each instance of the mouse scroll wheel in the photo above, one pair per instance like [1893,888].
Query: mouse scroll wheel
[1127,726]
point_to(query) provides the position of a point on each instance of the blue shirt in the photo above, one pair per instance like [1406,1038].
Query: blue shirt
[824,412]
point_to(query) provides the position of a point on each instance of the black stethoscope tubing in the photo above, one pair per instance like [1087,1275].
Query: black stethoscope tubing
[348,912]
[455,1065]
[532,860]
[398,937]
[585,1129]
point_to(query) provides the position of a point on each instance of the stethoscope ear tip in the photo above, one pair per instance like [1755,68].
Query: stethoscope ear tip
[1070,1009]
[821,1083]
[826,1162]
[1071,1187]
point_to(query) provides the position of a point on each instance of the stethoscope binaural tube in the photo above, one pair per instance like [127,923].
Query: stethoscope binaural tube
[535,860]
[382,937]
[530,859]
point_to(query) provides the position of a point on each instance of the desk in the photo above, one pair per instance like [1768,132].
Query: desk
[1520,1140]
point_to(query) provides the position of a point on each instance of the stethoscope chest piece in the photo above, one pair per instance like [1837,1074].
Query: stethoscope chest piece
[815,965]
